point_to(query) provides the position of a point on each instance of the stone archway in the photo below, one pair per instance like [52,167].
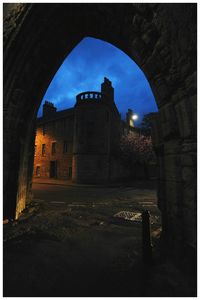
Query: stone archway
[161,38]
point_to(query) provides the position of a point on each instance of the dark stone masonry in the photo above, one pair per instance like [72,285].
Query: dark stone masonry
[161,39]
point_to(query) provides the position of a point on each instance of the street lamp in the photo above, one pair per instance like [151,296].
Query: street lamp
[134,117]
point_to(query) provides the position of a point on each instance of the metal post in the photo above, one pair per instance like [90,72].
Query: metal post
[146,237]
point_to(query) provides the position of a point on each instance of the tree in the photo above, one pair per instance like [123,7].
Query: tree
[137,150]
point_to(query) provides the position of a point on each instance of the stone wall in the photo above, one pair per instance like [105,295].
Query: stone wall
[91,142]
[118,171]
[160,38]
[57,133]
[90,168]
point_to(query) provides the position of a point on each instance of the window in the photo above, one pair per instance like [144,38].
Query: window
[38,171]
[53,148]
[43,149]
[131,124]
[65,147]
[35,148]
[70,172]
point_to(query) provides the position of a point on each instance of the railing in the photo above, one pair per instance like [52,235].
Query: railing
[89,96]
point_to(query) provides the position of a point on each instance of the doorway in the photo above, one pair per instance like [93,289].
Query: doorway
[70,172]
[53,169]
[38,171]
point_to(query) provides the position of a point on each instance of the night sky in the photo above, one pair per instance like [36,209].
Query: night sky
[84,69]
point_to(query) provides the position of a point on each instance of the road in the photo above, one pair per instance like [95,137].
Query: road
[101,200]
[119,196]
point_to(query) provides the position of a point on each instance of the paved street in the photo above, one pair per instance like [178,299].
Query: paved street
[86,196]
[70,239]
[103,202]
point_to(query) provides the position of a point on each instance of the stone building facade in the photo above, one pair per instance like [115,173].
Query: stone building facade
[53,143]
[81,143]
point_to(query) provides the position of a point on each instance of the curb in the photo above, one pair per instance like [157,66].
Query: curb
[71,185]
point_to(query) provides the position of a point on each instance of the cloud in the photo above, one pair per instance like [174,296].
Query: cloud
[84,70]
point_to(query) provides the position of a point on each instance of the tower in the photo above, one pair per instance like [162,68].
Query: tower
[91,146]
[129,120]
[107,90]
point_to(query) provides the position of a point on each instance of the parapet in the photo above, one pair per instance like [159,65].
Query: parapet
[93,96]
[106,94]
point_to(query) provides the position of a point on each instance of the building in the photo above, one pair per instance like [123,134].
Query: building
[81,143]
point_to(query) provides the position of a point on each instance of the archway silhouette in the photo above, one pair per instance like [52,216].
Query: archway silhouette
[37,39]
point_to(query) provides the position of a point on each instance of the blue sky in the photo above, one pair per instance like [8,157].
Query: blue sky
[84,69]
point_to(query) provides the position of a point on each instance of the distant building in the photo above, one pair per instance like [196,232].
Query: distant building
[81,143]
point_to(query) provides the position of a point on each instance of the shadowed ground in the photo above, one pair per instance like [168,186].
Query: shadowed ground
[68,243]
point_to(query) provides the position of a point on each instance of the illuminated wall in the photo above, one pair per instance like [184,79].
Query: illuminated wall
[53,148]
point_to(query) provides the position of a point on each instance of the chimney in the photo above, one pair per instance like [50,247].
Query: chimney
[48,109]
[107,90]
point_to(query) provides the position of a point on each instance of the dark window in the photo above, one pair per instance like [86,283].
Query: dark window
[53,148]
[65,150]
[43,149]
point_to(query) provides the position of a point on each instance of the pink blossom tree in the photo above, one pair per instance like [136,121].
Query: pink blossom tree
[137,150]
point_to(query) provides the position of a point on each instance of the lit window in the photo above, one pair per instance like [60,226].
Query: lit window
[43,149]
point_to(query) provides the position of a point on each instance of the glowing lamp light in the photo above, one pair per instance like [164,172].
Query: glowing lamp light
[135,117]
